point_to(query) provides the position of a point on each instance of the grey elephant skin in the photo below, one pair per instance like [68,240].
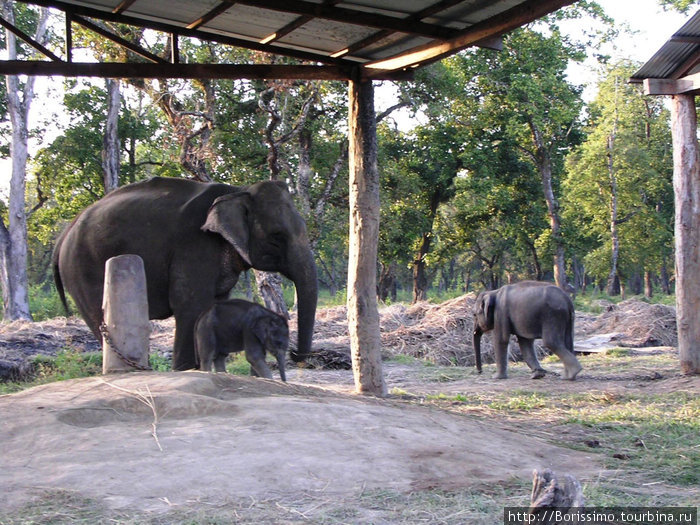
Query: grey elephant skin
[194,238]
[530,310]
[235,325]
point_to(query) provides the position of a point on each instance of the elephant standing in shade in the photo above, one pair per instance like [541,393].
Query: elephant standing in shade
[195,239]
[530,310]
[235,325]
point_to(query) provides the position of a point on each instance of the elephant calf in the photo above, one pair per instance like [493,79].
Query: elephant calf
[530,310]
[234,325]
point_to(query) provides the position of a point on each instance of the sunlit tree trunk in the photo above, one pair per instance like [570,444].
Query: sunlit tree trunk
[110,148]
[613,284]
[544,166]
[363,315]
[13,238]
[686,185]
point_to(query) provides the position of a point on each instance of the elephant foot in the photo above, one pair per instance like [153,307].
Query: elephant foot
[538,374]
[500,375]
[571,373]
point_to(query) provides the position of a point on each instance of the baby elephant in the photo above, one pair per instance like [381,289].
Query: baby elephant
[530,310]
[235,325]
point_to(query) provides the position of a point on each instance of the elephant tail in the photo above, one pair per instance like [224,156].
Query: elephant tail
[57,276]
[569,336]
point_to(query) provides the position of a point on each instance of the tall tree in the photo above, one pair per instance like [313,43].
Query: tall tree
[626,160]
[522,94]
[13,238]
[110,149]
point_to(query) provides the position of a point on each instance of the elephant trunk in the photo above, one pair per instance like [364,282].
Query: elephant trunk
[306,283]
[477,346]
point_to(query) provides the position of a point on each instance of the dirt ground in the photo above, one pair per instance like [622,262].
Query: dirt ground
[157,441]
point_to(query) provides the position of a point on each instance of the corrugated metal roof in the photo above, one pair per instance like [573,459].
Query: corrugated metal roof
[678,57]
[342,33]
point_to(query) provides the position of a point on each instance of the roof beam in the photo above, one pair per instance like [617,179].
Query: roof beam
[689,85]
[294,24]
[108,16]
[168,70]
[186,71]
[497,25]
[29,40]
[353,16]
[134,48]
[381,35]
[212,14]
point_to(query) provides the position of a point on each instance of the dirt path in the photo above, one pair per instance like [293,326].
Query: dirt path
[226,436]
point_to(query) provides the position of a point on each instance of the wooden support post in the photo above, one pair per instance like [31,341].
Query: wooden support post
[363,316]
[550,491]
[126,328]
[686,186]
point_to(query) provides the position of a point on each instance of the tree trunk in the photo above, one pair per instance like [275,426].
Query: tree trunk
[110,147]
[363,316]
[270,288]
[686,185]
[613,284]
[648,284]
[544,165]
[387,281]
[420,281]
[13,240]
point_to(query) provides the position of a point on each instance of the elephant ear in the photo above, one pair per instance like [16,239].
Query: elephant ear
[228,216]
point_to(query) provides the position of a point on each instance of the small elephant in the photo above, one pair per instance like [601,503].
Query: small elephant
[530,310]
[234,325]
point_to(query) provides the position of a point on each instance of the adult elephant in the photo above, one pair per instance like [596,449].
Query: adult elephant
[530,310]
[195,239]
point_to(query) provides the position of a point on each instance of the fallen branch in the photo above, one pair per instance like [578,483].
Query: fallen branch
[147,400]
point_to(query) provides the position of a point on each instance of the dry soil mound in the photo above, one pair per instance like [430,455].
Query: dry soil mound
[151,440]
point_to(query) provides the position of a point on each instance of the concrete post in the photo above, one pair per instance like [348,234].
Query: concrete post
[126,327]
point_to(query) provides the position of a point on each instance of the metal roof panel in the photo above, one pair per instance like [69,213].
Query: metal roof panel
[678,57]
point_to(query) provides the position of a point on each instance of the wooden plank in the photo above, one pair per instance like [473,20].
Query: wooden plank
[689,85]
[497,25]
[168,70]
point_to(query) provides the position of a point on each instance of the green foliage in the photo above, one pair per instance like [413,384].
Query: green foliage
[624,162]
[68,364]
[682,6]
[45,303]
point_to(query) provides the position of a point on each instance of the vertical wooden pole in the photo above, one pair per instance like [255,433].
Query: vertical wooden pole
[686,186]
[125,304]
[363,316]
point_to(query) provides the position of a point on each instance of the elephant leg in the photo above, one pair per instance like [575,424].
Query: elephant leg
[571,365]
[528,350]
[500,349]
[259,366]
[183,348]
[220,363]
[255,355]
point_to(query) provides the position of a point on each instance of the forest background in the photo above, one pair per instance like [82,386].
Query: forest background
[495,166]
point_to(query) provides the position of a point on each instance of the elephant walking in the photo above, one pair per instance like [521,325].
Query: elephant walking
[530,310]
[194,238]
